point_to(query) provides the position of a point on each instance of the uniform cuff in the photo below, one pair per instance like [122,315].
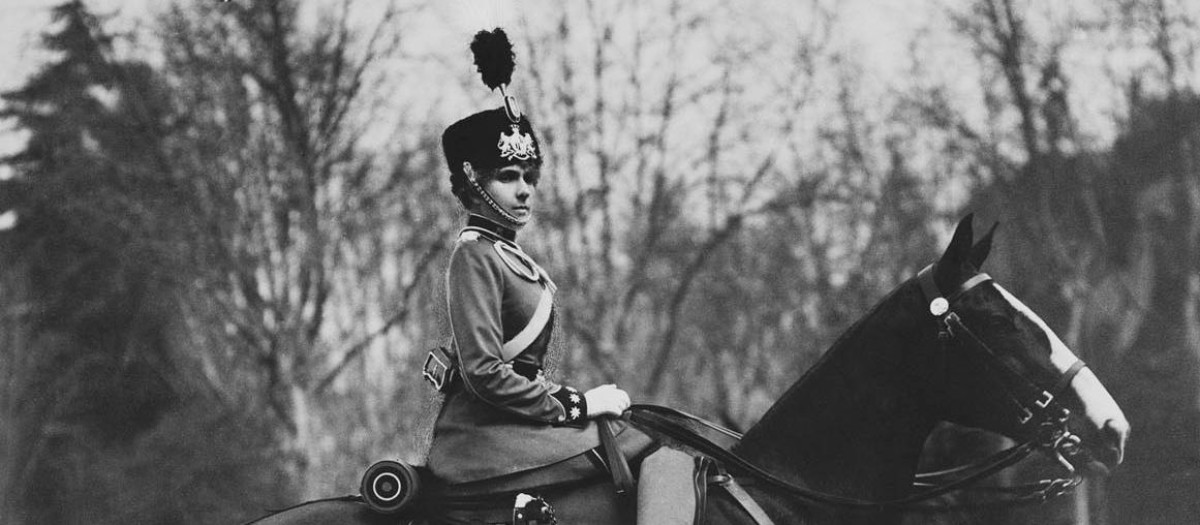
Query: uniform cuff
[573,403]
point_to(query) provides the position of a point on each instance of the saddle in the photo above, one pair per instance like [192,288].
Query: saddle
[581,489]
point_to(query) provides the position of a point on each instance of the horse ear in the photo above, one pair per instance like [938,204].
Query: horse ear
[960,245]
[980,251]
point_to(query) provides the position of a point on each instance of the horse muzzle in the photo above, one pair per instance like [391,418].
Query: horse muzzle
[1111,445]
[1104,448]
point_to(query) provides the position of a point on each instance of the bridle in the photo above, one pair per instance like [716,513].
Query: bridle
[1034,404]
[1039,414]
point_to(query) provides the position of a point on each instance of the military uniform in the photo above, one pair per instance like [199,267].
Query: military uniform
[502,415]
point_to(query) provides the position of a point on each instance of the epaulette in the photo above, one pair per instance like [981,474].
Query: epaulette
[468,235]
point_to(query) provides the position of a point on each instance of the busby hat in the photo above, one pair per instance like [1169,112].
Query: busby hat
[489,139]
[496,137]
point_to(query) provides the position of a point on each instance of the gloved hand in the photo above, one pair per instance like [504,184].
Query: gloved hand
[606,400]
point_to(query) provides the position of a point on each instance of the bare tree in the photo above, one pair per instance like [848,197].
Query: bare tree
[300,234]
[642,204]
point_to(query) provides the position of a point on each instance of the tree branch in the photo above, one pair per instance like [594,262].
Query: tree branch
[355,350]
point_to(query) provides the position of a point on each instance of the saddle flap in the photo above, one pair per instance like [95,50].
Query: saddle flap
[683,430]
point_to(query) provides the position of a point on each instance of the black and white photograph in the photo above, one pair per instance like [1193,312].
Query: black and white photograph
[599,262]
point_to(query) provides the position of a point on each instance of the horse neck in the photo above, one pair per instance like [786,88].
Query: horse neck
[853,424]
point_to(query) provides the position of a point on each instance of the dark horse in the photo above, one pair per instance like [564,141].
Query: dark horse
[855,424]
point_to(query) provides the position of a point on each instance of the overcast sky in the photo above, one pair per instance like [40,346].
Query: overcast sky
[879,26]
[876,34]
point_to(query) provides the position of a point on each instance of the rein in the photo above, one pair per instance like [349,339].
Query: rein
[1039,414]
[659,419]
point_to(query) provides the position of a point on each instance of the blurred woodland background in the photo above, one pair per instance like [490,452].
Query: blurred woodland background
[222,235]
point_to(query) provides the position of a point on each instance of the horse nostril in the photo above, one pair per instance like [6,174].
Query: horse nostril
[1115,433]
[1119,427]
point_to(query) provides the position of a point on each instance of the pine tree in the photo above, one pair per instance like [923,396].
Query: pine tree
[95,372]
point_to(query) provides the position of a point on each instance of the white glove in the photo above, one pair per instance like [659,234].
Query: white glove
[606,400]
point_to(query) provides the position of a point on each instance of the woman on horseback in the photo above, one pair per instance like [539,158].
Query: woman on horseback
[502,416]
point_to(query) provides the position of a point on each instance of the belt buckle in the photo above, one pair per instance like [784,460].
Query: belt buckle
[437,371]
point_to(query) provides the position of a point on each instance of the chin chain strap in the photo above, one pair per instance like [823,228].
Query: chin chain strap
[487,197]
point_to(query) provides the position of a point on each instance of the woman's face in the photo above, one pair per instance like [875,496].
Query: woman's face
[512,187]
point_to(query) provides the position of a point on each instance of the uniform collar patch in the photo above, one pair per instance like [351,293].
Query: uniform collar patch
[480,222]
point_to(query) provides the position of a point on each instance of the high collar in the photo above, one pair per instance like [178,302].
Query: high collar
[490,226]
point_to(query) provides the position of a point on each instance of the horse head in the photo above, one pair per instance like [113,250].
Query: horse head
[1003,369]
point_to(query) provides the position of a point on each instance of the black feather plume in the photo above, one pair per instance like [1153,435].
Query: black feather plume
[494,57]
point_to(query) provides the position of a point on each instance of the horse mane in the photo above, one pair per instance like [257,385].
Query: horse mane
[845,340]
